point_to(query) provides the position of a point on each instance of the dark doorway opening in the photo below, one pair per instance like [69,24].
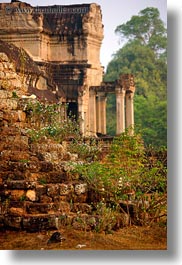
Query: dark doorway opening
[72,110]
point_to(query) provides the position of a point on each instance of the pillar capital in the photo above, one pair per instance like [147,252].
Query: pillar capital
[120,91]
[92,92]
[130,95]
[101,94]
[127,82]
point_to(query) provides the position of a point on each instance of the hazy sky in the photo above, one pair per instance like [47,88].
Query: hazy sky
[114,13]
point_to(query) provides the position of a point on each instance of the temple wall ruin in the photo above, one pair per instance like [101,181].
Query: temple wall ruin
[53,58]
[65,42]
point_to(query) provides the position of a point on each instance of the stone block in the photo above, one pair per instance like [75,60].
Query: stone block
[45,199]
[46,166]
[33,176]
[56,177]
[13,221]
[9,155]
[10,104]
[14,211]
[66,189]
[31,195]
[36,223]
[17,195]
[5,94]
[20,184]
[80,188]
[16,175]
[53,190]
[4,57]
[34,166]
[42,208]
[81,208]
[21,116]
[64,207]
[82,198]
[41,190]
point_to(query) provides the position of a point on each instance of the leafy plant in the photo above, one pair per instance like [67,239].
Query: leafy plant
[129,173]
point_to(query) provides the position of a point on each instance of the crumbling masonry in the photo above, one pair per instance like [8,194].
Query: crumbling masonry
[64,42]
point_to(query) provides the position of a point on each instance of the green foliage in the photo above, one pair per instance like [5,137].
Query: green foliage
[147,28]
[46,122]
[41,114]
[129,170]
[151,116]
[14,94]
[88,150]
[144,55]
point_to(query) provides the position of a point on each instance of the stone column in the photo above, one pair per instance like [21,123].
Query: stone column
[81,114]
[101,112]
[130,112]
[120,110]
[92,113]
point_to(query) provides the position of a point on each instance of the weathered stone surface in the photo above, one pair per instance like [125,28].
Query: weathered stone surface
[82,198]
[4,57]
[64,207]
[20,184]
[57,177]
[10,104]
[13,143]
[66,189]
[39,222]
[31,195]
[14,155]
[17,195]
[5,94]
[40,208]
[53,190]
[46,166]
[14,116]
[41,190]
[45,199]
[13,221]
[16,211]
[81,208]
[80,188]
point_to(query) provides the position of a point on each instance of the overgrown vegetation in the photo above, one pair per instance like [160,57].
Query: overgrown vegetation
[128,185]
[130,178]
[46,121]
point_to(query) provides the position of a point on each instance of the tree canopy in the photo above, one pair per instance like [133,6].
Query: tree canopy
[147,28]
[144,55]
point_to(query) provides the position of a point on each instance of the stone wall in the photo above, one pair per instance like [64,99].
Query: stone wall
[37,189]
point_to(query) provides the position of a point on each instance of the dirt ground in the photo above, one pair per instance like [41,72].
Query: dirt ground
[130,238]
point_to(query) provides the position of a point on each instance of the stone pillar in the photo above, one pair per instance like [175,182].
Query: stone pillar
[130,112]
[101,112]
[81,114]
[120,110]
[92,113]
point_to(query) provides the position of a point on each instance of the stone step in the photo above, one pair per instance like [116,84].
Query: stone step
[39,222]
[19,184]
[14,155]
[47,208]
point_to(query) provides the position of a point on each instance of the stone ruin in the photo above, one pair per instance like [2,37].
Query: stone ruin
[53,56]
[64,42]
